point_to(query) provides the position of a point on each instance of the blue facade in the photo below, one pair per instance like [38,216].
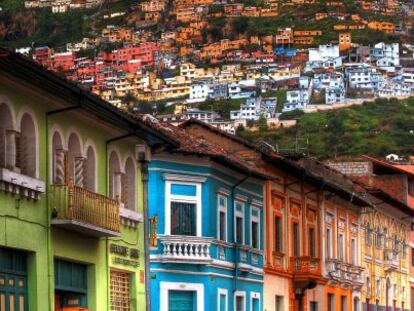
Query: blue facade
[196,265]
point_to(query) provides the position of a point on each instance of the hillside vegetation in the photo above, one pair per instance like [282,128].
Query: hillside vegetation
[380,128]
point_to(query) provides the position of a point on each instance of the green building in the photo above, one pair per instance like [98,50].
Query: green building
[72,193]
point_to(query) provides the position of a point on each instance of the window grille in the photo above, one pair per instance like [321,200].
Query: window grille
[120,291]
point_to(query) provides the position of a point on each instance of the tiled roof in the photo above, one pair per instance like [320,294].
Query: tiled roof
[190,144]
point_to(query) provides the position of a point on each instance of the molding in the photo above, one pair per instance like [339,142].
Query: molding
[240,197]
[240,294]
[184,178]
[21,184]
[212,274]
[131,215]
[225,192]
[165,287]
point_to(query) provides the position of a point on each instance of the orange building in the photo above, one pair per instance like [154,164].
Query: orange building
[386,27]
[345,41]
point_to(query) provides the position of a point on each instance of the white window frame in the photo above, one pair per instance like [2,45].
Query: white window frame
[167,286]
[239,294]
[221,208]
[182,198]
[254,295]
[239,214]
[257,220]
[341,246]
[222,292]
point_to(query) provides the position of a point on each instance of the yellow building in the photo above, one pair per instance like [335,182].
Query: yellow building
[384,250]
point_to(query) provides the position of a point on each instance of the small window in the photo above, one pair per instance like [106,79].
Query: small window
[255,227]
[239,303]
[239,223]
[279,303]
[329,243]
[378,240]
[341,247]
[312,251]
[278,234]
[331,302]
[222,218]
[368,236]
[296,240]
[313,306]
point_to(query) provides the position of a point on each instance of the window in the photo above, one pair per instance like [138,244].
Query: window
[239,221]
[343,303]
[368,236]
[279,303]
[329,243]
[7,139]
[331,302]
[115,176]
[222,299]
[312,251]
[255,227]
[129,187]
[412,257]
[354,251]
[313,306]
[341,247]
[26,142]
[90,170]
[296,239]
[75,160]
[278,235]
[120,291]
[183,218]
[222,218]
[239,303]
[378,240]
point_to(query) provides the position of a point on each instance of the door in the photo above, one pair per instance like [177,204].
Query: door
[223,303]
[13,292]
[255,304]
[181,300]
[13,280]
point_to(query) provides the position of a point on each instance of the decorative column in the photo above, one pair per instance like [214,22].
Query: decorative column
[79,171]
[59,177]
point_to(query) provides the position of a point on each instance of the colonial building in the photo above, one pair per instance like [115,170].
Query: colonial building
[208,251]
[72,204]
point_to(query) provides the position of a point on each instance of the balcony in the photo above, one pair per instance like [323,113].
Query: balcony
[346,274]
[83,211]
[185,249]
[390,260]
[306,271]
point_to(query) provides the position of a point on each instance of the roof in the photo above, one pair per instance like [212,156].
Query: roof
[191,145]
[396,168]
[34,74]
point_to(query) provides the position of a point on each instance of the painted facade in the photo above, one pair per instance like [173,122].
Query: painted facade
[71,216]
[208,254]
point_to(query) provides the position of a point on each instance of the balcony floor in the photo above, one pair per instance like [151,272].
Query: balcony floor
[84,228]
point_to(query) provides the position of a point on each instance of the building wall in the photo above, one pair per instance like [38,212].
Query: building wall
[32,218]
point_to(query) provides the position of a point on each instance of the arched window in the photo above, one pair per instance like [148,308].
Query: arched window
[59,160]
[26,146]
[75,160]
[90,170]
[129,185]
[7,138]
[115,176]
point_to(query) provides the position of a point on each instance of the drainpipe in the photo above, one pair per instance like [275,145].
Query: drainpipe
[48,209]
[144,174]
[236,248]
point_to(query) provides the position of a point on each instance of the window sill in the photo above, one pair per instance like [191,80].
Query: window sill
[23,185]
[130,218]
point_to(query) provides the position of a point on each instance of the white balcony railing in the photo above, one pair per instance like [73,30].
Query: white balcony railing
[185,249]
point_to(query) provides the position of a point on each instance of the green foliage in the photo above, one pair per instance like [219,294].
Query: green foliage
[240,24]
[222,107]
[291,115]
[372,128]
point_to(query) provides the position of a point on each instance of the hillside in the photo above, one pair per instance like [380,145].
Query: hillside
[380,128]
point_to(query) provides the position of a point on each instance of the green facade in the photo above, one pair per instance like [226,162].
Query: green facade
[26,223]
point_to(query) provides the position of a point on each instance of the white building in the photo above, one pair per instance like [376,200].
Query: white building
[299,98]
[326,56]
[199,92]
[386,56]
[254,108]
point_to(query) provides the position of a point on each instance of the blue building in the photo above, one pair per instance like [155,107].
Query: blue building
[209,249]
